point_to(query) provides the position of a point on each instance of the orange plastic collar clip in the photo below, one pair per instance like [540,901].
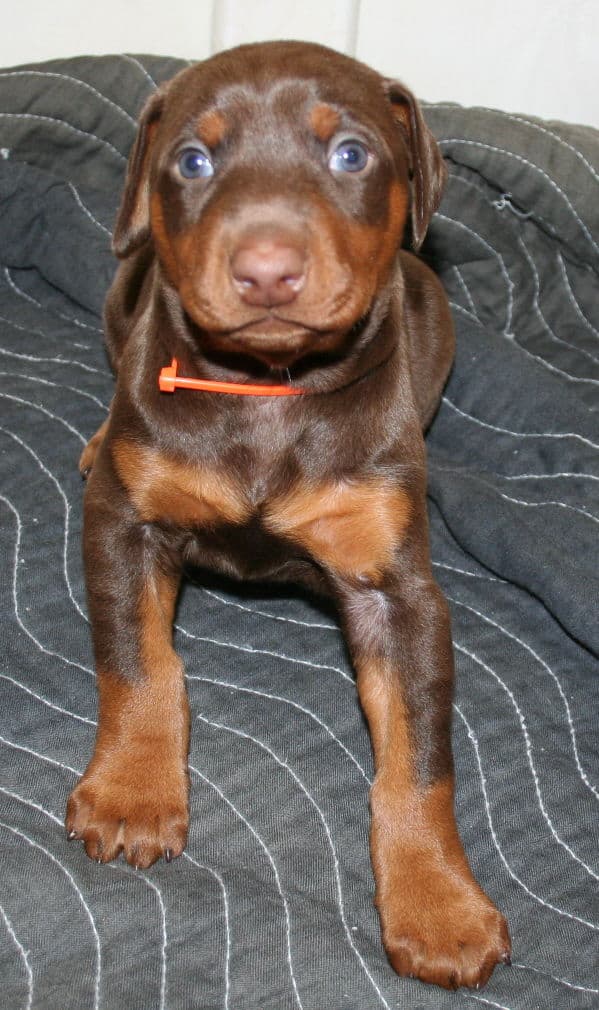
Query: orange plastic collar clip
[168,381]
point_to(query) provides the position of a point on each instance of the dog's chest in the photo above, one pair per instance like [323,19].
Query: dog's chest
[351,526]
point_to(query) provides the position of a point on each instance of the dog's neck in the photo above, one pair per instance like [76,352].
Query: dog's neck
[169,380]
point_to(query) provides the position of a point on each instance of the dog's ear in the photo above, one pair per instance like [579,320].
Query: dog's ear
[427,168]
[132,226]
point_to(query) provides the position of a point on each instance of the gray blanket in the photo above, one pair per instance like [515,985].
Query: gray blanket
[271,906]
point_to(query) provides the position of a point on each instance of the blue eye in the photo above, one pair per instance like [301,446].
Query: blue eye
[349,156]
[195,163]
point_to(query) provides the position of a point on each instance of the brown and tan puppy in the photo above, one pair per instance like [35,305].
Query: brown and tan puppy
[269,192]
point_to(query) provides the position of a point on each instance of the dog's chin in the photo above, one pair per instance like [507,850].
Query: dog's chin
[273,343]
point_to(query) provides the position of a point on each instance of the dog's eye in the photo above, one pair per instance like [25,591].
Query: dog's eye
[195,163]
[349,156]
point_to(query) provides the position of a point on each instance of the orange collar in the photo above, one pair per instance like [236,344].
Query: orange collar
[168,381]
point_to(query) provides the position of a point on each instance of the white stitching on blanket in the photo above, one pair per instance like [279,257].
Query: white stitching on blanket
[41,333]
[285,701]
[488,1002]
[506,332]
[30,635]
[67,515]
[546,326]
[70,878]
[40,757]
[266,850]
[48,382]
[555,678]
[518,501]
[46,702]
[62,122]
[570,294]
[541,504]
[29,803]
[433,505]
[263,652]
[556,137]
[547,476]
[22,954]
[48,413]
[264,613]
[136,63]
[466,292]
[219,879]
[72,80]
[520,434]
[54,312]
[64,362]
[138,875]
[470,315]
[158,893]
[524,122]
[542,361]
[149,883]
[508,281]
[560,981]
[306,792]
[560,841]
[474,740]
[530,164]
[87,211]
[472,575]
[534,358]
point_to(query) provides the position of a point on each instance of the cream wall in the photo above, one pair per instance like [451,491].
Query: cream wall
[521,55]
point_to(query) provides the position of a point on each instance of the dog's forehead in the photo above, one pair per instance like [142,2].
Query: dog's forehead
[284,79]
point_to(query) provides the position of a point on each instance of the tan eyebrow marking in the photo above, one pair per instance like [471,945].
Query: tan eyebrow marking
[211,128]
[324,120]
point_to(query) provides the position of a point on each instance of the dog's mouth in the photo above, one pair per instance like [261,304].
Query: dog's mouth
[276,342]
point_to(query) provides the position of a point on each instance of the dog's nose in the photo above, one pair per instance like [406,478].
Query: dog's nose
[268,272]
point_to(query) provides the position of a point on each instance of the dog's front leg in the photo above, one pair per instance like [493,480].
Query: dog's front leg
[133,796]
[437,923]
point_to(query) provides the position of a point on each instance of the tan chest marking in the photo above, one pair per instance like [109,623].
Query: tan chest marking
[353,527]
[166,490]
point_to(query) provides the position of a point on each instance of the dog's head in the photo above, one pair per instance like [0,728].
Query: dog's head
[276,182]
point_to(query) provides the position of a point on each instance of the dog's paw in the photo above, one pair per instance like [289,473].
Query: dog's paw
[139,813]
[442,928]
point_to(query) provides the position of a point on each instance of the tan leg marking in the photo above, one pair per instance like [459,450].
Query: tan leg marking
[133,796]
[437,923]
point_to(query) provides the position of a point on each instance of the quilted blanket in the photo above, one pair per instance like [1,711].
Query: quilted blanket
[270,908]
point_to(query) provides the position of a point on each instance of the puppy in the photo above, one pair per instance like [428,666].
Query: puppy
[302,352]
